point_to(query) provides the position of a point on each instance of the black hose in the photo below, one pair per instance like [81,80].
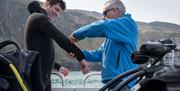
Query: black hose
[129,79]
[138,74]
[119,77]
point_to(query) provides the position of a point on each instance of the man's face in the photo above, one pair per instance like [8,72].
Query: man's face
[53,11]
[112,13]
[108,13]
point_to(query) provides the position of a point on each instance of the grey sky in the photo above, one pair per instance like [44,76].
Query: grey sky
[154,10]
[141,10]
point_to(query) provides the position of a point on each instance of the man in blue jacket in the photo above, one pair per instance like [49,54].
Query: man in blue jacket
[121,34]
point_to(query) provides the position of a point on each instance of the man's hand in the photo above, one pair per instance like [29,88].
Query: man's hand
[84,66]
[64,71]
[72,39]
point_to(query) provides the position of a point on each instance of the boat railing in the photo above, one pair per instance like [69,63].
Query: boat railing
[57,74]
[89,75]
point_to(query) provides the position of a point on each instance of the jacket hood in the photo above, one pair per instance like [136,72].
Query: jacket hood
[34,7]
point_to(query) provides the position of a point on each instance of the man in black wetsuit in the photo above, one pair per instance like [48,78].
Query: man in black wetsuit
[40,33]
[34,7]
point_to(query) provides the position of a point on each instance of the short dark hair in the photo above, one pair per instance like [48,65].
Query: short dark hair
[61,3]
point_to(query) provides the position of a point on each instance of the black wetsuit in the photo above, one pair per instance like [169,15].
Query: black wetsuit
[34,7]
[40,33]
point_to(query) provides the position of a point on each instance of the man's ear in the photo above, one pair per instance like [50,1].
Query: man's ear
[46,3]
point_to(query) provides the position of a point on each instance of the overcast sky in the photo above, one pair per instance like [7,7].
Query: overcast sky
[141,10]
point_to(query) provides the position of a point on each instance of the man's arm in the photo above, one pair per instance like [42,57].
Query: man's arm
[63,41]
[60,69]
[60,38]
[94,55]
[119,29]
[57,66]
[91,30]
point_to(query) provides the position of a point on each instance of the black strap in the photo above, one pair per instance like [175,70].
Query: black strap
[9,42]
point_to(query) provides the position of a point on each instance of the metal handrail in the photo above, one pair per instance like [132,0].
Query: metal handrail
[57,74]
[88,75]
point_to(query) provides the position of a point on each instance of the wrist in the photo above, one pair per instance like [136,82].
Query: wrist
[83,60]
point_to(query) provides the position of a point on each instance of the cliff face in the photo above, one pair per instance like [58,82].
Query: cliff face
[13,16]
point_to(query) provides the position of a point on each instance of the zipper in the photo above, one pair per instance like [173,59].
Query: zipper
[118,60]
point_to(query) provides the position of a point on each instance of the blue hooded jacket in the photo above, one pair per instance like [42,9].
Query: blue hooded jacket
[115,53]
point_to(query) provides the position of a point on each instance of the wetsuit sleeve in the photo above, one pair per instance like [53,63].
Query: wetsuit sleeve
[57,66]
[60,38]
